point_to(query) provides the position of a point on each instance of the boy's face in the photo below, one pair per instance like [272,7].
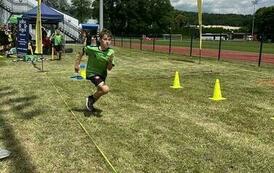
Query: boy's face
[105,42]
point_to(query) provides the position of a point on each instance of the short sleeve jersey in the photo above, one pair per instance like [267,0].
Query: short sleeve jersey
[97,61]
[58,39]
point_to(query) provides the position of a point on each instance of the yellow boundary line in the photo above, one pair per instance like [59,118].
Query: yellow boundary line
[82,126]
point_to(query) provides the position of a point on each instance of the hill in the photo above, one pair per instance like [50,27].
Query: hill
[218,19]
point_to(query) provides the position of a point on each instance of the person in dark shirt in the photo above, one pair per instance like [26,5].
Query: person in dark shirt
[4,39]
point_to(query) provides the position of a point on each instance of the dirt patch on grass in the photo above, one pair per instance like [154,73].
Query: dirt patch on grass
[266,82]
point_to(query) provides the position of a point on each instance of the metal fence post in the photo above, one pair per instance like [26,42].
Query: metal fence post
[153,44]
[169,50]
[141,43]
[220,45]
[191,44]
[122,41]
[261,50]
[130,42]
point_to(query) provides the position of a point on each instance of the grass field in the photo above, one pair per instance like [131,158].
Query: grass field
[245,46]
[142,125]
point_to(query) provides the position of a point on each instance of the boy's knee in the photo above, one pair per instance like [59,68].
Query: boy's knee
[105,89]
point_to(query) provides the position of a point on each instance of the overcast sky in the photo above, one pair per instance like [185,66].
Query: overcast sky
[221,6]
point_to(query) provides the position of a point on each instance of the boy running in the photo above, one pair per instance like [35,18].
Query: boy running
[100,60]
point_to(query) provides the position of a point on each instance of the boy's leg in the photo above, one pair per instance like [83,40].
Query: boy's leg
[60,54]
[102,89]
[52,53]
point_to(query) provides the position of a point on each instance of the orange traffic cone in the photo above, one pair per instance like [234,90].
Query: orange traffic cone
[217,95]
[176,81]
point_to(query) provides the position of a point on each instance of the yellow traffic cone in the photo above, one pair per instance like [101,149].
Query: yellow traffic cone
[217,95]
[176,82]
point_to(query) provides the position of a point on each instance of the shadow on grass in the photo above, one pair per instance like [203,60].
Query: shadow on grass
[30,114]
[180,59]
[7,93]
[39,68]
[35,66]
[96,112]
[16,105]
[19,104]
[19,156]
[4,88]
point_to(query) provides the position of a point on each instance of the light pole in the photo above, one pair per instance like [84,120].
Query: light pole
[254,2]
[101,15]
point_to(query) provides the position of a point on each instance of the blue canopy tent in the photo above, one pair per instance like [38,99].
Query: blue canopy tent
[48,15]
[89,26]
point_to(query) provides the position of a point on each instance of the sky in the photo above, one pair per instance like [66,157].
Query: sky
[221,6]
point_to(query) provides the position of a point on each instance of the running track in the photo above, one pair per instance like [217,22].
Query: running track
[225,54]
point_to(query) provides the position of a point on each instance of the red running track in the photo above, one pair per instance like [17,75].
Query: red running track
[225,54]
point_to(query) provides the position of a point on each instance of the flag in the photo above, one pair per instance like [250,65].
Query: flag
[38,30]
[200,14]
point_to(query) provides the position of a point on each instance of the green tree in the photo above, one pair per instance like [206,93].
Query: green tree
[81,9]
[217,19]
[61,5]
[135,16]
[180,20]
[264,22]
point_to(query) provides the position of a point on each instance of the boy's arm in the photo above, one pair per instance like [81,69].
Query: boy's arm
[63,40]
[85,41]
[78,61]
[110,62]
[30,47]
[51,37]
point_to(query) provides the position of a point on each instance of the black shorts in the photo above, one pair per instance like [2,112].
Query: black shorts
[58,48]
[96,79]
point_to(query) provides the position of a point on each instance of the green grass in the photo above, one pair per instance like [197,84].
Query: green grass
[245,46]
[144,125]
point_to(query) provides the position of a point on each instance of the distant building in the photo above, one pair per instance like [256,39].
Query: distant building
[231,35]
[173,36]
[217,26]
[222,26]
[214,36]
[92,21]
[241,36]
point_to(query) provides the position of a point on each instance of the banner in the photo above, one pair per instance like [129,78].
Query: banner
[200,19]
[22,38]
[38,30]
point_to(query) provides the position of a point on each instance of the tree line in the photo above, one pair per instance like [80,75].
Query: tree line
[264,23]
[135,17]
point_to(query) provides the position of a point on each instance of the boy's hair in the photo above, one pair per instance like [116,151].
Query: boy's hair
[105,32]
